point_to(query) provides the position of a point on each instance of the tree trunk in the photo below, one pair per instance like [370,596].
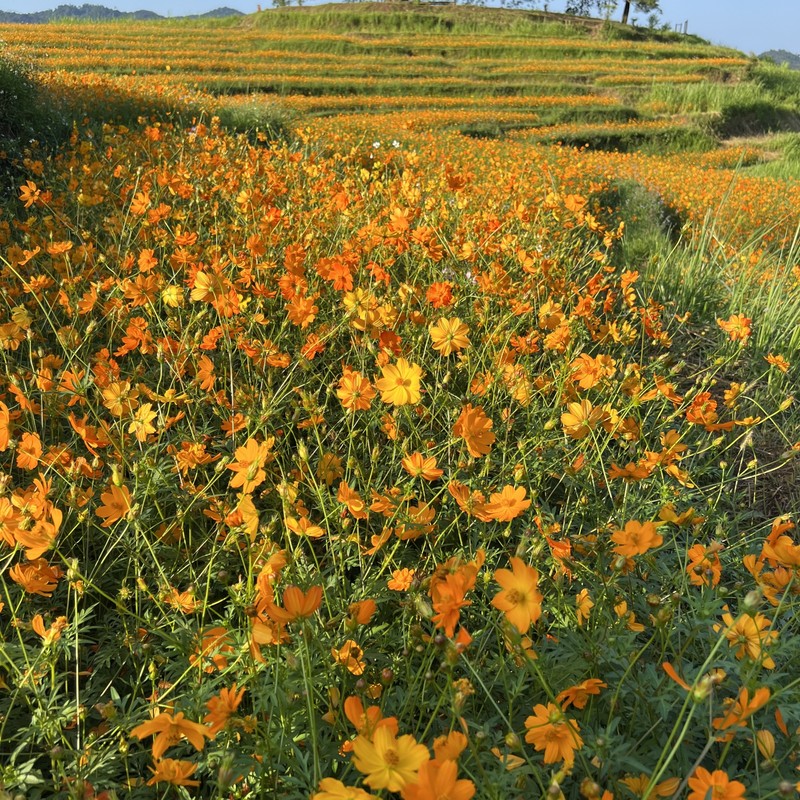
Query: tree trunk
[626,11]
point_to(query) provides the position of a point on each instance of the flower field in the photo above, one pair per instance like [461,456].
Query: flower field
[393,442]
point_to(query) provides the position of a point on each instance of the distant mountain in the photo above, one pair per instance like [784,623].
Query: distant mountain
[95,12]
[783,57]
[218,12]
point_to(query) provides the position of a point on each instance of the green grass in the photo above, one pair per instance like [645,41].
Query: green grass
[389,18]
[702,97]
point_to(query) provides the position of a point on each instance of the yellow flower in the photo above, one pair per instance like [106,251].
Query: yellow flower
[449,335]
[331,789]
[141,424]
[388,762]
[520,599]
[400,384]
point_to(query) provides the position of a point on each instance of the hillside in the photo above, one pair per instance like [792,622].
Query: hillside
[783,57]
[397,402]
[549,77]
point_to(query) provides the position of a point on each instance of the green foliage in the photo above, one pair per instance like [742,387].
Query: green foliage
[760,116]
[27,113]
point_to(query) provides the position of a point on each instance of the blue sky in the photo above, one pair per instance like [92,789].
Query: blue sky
[749,25]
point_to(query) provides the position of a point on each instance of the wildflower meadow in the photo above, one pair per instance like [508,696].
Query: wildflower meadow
[396,413]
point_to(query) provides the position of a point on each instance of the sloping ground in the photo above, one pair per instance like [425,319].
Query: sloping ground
[403,453]
[539,71]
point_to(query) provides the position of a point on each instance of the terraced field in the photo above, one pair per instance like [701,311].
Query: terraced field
[397,402]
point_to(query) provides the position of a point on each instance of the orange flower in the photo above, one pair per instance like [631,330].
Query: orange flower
[621,610]
[367,721]
[588,371]
[583,605]
[116,505]
[388,762]
[472,503]
[353,500]
[120,399]
[170,770]
[400,384]
[507,504]
[449,335]
[449,747]
[448,600]
[749,635]
[41,536]
[29,193]
[221,708]
[360,612]
[355,392]
[636,539]
[631,472]
[169,730]
[29,451]
[401,579]
[551,731]
[350,655]
[737,326]
[204,374]
[297,604]
[714,785]
[638,784]
[438,780]
[744,706]
[5,425]
[210,650]
[578,695]
[440,295]
[519,599]
[580,419]
[51,634]
[304,527]
[778,361]
[417,466]
[475,428]
[249,465]
[36,577]
[185,602]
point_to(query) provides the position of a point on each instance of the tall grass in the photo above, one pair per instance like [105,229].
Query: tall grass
[415,20]
[701,97]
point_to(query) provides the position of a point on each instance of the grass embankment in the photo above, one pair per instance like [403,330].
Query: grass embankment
[391,449]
